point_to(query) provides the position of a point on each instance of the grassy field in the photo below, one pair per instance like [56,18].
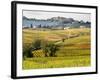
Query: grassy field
[58,62]
[74,50]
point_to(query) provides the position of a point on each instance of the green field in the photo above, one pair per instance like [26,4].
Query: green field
[58,62]
[74,51]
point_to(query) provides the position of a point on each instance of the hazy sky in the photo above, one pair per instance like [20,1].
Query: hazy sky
[49,14]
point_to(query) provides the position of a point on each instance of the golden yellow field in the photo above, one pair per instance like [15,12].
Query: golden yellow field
[74,50]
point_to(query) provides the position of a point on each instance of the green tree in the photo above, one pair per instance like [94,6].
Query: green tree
[27,51]
[44,47]
[31,26]
[36,44]
[63,39]
[52,48]
[49,49]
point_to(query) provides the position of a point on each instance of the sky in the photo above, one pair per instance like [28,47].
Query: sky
[48,14]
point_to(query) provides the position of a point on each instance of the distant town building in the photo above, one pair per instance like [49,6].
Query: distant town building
[58,28]
[82,26]
[34,26]
[66,28]
[25,27]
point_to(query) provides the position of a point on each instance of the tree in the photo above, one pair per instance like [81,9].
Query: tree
[31,26]
[52,48]
[44,47]
[39,26]
[49,49]
[45,50]
[63,39]
[36,44]
[27,51]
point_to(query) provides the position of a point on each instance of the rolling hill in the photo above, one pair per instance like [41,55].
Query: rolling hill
[54,22]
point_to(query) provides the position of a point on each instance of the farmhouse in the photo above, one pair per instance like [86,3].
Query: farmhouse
[82,26]
[66,28]
[34,26]
[58,28]
[25,27]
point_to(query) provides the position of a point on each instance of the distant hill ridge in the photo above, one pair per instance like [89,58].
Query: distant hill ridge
[54,22]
